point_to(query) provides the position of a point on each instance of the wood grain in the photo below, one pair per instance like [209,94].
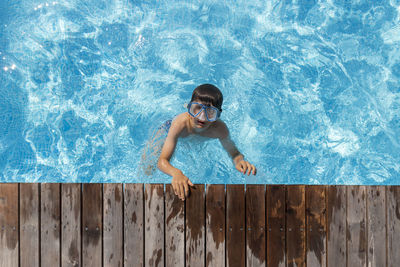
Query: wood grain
[255,225]
[336,225]
[154,224]
[50,224]
[71,225]
[9,225]
[133,225]
[356,226]
[215,225]
[195,227]
[295,225]
[92,214]
[376,203]
[276,225]
[316,225]
[235,226]
[174,228]
[393,228]
[112,225]
[29,225]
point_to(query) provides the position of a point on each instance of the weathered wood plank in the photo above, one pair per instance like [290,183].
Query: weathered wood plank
[276,225]
[29,225]
[154,224]
[112,225]
[50,224]
[9,225]
[336,221]
[295,225]
[215,225]
[92,214]
[195,226]
[316,225]
[174,228]
[393,227]
[376,203]
[133,225]
[255,224]
[71,225]
[366,223]
[235,226]
[356,226]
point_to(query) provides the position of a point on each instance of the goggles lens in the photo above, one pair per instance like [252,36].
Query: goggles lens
[195,109]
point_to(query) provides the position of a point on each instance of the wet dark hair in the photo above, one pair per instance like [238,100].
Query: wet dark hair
[209,95]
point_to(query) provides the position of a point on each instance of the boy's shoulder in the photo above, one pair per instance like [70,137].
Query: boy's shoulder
[179,124]
[180,119]
[221,129]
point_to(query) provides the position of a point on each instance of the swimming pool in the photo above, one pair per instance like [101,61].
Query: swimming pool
[311,89]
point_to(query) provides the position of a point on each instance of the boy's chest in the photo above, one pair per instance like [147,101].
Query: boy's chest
[209,133]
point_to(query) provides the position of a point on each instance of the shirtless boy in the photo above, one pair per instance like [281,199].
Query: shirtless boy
[201,119]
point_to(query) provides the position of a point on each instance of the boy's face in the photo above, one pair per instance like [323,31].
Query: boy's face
[200,121]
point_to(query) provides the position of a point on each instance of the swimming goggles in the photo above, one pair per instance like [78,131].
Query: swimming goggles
[211,113]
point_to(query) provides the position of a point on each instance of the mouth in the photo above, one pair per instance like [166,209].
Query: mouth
[200,123]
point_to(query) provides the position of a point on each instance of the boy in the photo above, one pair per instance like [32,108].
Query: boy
[201,119]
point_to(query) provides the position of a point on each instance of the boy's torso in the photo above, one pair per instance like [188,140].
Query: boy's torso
[213,131]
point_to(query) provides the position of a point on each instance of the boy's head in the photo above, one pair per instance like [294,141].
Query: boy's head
[208,94]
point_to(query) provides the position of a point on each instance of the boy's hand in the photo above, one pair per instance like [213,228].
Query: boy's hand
[244,166]
[180,184]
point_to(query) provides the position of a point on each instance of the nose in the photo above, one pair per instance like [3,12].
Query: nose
[202,115]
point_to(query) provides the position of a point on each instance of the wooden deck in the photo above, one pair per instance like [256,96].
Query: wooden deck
[146,225]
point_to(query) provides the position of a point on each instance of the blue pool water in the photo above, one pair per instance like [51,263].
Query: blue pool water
[311,88]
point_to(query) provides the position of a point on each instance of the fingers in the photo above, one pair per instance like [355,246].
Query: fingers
[239,168]
[174,187]
[186,187]
[251,169]
[248,168]
[181,193]
[177,190]
[245,166]
[181,188]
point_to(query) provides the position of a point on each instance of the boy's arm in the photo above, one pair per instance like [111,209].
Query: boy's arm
[179,181]
[166,154]
[231,148]
[238,158]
